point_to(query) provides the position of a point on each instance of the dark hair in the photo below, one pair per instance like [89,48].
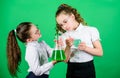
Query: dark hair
[13,49]
[66,9]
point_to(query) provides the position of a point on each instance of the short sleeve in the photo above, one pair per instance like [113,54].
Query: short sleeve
[94,34]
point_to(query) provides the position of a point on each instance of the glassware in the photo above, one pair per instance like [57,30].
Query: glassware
[76,42]
[58,54]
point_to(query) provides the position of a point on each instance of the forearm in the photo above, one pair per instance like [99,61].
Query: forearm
[39,70]
[67,53]
[94,51]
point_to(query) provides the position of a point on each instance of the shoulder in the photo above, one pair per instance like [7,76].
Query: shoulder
[31,51]
[42,42]
[90,28]
[30,48]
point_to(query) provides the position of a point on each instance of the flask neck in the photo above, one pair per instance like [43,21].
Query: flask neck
[58,47]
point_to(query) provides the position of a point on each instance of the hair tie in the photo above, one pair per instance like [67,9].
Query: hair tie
[15,30]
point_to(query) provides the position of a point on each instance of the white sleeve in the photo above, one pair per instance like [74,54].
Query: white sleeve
[32,57]
[95,34]
[64,37]
[49,50]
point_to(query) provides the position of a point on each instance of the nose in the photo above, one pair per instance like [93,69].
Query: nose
[64,26]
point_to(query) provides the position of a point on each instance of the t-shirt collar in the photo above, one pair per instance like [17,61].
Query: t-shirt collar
[79,27]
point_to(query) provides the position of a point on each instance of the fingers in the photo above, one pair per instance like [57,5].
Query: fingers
[70,38]
[82,46]
[59,42]
[69,42]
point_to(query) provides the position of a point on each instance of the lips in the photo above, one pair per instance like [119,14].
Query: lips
[67,28]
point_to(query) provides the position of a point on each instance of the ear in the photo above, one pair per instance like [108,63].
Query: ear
[28,40]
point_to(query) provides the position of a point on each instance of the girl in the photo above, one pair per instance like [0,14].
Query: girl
[36,53]
[80,59]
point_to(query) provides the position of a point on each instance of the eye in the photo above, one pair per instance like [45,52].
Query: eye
[60,25]
[37,31]
[65,21]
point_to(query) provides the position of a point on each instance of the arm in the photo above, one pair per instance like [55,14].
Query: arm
[95,38]
[68,52]
[96,50]
[49,50]
[32,58]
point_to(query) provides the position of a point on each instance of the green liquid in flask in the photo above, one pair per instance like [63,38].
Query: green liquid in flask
[58,55]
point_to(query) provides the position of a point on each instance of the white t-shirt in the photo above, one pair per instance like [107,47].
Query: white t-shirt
[86,34]
[37,57]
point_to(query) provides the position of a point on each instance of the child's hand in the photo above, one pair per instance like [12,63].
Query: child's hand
[69,41]
[82,46]
[59,42]
[55,61]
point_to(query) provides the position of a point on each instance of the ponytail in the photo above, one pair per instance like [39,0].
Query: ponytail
[13,54]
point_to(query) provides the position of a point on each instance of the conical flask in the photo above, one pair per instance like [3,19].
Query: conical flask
[58,54]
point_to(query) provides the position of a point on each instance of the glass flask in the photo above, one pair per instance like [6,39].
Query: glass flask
[58,54]
[76,42]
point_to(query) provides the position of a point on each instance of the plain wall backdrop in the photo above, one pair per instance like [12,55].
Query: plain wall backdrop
[103,14]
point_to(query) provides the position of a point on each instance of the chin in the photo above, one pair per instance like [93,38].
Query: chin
[69,30]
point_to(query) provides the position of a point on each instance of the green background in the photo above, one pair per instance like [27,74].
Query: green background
[103,14]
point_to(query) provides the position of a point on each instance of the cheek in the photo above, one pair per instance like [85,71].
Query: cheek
[68,25]
[71,25]
[36,36]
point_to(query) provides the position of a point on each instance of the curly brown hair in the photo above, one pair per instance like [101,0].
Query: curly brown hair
[66,9]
